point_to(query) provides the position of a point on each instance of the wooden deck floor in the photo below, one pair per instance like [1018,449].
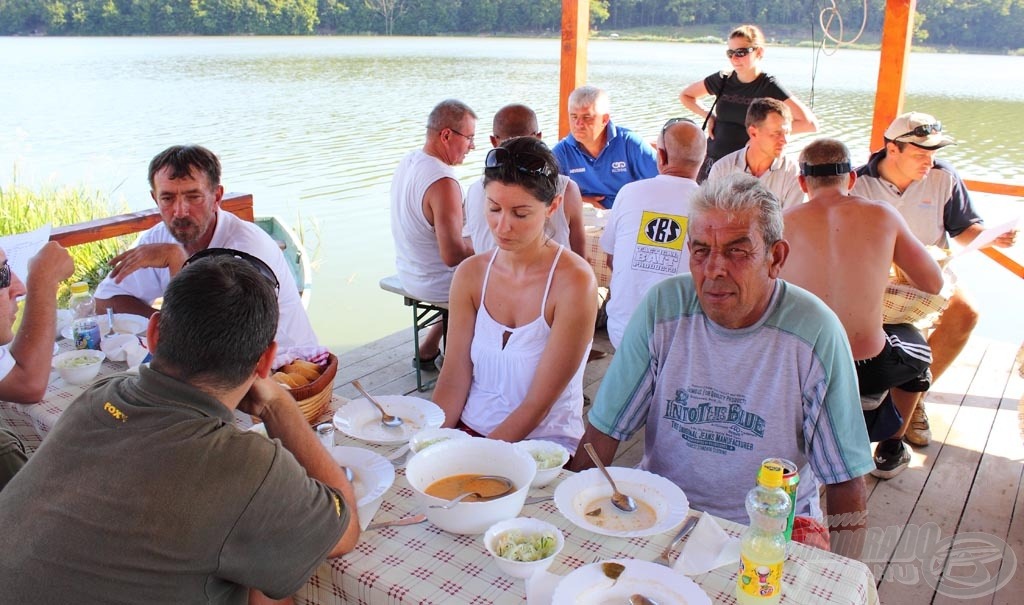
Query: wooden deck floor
[967,483]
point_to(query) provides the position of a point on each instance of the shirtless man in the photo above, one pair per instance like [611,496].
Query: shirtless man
[864,238]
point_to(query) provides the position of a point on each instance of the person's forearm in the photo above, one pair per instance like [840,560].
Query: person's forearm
[124,304]
[847,516]
[32,348]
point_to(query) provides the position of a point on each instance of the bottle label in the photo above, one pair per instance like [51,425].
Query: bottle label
[759,579]
[87,335]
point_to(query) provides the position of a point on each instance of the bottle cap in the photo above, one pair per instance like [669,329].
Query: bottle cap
[770,475]
[79,287]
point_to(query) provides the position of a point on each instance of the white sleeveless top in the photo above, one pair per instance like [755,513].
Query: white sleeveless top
[503,375]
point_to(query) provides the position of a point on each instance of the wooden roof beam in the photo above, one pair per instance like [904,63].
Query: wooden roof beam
[897,35]
[573,73]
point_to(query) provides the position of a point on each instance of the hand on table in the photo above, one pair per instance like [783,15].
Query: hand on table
[157,256]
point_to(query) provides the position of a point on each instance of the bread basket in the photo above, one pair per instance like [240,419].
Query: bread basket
[314,397]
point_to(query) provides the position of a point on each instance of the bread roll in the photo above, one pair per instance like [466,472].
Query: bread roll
[298,379]
[297,370]
[284,379]
[302,363]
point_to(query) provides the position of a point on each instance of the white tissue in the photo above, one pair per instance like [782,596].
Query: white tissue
[540,587]
[707,548]
[124,347]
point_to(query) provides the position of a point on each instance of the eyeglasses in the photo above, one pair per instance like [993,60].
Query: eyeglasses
[523,161]
[470,138]
[673,121]
[922,131]
[740,52]
[5,275]
[254,262]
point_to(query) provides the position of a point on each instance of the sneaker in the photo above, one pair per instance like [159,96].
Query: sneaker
[919,432]
[889,463]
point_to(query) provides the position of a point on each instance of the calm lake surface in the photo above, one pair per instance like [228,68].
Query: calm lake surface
[314,127]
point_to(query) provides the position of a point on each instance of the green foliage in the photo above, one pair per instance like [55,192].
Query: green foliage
[23,209]
[992,24]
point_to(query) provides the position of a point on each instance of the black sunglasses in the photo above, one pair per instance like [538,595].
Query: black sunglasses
[923,130]
[5,275]
[740,52]
[675,121]
[523,161]
[256,263]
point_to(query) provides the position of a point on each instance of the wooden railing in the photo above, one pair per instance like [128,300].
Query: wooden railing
[239,204]
[1008,263]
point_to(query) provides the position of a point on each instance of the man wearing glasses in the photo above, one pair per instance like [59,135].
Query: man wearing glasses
[933,199]
[645,237]
[185,184]
[426,212]
[25,363]
[600,156]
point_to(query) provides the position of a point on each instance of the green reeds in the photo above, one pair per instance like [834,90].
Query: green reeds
[23,209]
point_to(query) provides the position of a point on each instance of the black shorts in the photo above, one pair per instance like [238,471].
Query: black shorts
[903,363]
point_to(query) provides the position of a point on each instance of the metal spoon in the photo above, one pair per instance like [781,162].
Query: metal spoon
[386,419]
[621,501]
[348,473]
[639,599]
[413,520]
[110,321]
[508,488]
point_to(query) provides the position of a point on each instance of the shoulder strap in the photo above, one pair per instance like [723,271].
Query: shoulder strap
[721,91]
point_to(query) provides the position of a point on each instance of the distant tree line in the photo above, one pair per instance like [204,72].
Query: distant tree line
[991,24]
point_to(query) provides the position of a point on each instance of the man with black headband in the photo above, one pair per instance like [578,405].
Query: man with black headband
[841,249]
[933,199]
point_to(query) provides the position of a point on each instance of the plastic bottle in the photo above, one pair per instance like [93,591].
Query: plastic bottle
[85,328]
[763,546]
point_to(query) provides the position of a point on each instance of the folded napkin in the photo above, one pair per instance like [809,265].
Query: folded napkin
[125,347]
[707,548]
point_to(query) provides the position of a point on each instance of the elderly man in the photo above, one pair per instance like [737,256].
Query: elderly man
[25,365]
[426,212]
[863,239]
[600,156]
[731,365]
[152,495]
[645,234]
[512,121]
[933,199]
[185,184]
[768,125]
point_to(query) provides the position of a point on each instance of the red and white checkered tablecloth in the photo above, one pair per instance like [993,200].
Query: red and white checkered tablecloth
[424,565]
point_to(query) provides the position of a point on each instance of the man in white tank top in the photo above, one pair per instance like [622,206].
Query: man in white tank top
[426,211]
[518,120]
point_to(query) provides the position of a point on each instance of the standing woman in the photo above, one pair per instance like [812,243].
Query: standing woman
[734,90]
[521,317]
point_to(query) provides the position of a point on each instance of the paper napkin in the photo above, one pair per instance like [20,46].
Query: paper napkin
[540,587]
[707,548]
[125,347]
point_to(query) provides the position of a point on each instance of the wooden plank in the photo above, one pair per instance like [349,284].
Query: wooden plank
[897,34]
[1011,189]
[944,497]
[573,71]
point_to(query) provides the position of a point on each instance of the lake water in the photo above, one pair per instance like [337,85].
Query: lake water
[314,126]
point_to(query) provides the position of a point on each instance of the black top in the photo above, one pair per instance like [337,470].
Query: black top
[731,109]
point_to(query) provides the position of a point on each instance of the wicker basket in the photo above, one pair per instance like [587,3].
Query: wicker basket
[314,397]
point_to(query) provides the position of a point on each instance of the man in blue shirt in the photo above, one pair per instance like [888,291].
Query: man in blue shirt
[598,155]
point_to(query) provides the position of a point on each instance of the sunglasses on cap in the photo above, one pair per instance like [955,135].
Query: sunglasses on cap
[261,267]
[673,121]
[740,52]
[5,275]
[923,130]
[523,161]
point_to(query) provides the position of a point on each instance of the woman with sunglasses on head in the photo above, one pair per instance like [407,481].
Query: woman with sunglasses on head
[734,90]
[521,319]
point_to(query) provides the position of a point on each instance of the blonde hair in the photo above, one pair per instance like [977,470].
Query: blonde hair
[752,33]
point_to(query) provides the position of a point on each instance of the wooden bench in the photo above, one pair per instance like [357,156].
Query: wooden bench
[424,314]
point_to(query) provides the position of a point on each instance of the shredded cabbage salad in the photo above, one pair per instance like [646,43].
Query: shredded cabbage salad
[549,459]
[514,545]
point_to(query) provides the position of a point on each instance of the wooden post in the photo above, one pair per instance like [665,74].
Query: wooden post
[897,35]
[573,74]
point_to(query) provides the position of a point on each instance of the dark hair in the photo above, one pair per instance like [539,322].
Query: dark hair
[542,186]
[218,317]
[181,159]
[759,109]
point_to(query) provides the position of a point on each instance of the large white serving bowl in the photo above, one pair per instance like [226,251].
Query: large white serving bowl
[471,456]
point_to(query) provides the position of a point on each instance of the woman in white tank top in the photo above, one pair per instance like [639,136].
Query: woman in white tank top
[521,319]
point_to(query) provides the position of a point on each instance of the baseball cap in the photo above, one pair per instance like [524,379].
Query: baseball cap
[919,129]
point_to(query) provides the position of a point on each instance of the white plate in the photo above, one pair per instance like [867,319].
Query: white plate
[589,490]
[124,323]
[360,419]
[372,474]
[589,586]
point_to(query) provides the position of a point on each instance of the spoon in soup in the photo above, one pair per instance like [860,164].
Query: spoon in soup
[386,419]
[509,487]
[621,501]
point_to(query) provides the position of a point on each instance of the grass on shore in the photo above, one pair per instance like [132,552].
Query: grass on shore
[23,209]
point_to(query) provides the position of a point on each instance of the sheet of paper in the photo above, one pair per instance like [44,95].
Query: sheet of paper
[20,247]
[989,235]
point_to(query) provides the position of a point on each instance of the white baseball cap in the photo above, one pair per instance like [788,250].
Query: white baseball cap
[918,129]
